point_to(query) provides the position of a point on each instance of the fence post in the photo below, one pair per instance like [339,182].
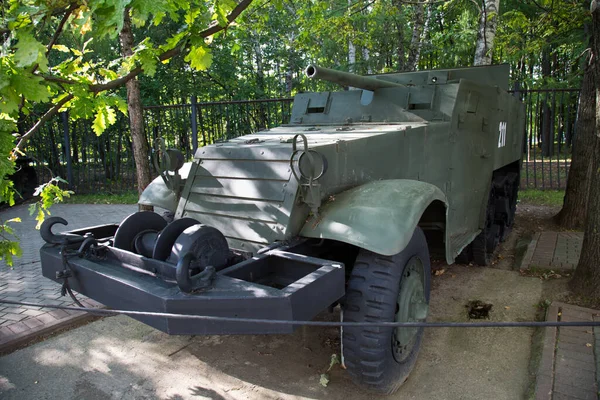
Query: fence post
[67,142]
[194,125]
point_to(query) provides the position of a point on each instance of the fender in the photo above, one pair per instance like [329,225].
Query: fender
[157,194]
[379,216]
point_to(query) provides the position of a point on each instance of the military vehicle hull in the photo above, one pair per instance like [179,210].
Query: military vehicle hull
[344,205]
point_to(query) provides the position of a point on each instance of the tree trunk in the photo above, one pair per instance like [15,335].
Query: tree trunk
[586,279]
[488,21]
[136,117]
[574,211]
[351,50]
[260,84]
[400,49]
[365,56]
[74,146]
[414,49]
[291,67]
[351,56]
[546,135]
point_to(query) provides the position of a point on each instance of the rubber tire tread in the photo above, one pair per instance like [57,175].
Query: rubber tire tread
[371,295]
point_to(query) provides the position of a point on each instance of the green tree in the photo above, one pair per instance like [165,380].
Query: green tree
[34,78]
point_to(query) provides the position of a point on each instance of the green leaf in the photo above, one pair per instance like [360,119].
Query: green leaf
[199,58]
[40,218]
[172,42]
[29,50]
[61,48]
[223,8]
[109,16]
[148,61]
[143,8]
[120,104]
[31,87]
[105,117]
[191,15]
[9,101]
[82,107]
[108,74]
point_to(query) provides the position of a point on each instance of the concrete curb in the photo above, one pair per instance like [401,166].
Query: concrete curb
[545,374]
[530,250]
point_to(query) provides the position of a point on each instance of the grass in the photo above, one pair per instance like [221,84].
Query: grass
[529,196]
[103,198]
[542,197]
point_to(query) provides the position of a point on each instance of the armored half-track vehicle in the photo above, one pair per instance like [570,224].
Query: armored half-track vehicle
[342,205]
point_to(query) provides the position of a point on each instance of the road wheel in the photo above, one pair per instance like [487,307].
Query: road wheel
[384,289]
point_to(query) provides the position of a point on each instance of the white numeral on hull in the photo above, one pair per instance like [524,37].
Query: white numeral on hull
[502,135]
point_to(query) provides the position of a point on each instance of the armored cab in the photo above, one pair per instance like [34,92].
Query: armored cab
[344,204]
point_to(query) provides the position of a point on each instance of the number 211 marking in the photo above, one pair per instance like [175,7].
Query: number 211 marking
[502,135]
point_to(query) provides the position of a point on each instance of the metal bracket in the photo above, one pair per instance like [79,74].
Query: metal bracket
[165,161]
[310,190]
[63,274]
[187,283]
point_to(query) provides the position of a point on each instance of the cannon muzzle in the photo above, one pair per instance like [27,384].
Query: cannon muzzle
[348,79]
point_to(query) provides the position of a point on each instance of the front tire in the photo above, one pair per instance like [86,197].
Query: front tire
[386,289]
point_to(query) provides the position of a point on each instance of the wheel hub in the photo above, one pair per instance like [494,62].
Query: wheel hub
[411,306]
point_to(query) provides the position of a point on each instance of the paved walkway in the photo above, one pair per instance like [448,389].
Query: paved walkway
[553,250]
[569,368]
[24,282]
[570,365]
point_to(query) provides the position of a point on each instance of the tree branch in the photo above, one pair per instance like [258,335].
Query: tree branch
[61,25]
[49,114]
[214,28]
[52,42]
[540,6]
[215,80]
[58,79]
[230,18]
[211,30]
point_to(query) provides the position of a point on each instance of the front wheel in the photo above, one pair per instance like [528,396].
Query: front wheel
[385,289]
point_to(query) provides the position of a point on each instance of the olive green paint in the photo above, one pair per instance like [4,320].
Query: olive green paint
[369,215]
[438,136]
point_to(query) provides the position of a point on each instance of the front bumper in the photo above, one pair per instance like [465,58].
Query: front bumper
[278,284]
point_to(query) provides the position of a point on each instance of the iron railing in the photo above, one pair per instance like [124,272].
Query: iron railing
[104,163]
[550,125]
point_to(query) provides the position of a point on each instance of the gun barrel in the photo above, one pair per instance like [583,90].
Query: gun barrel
[348,79]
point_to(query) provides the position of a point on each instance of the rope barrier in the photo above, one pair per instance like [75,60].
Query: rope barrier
[210,318]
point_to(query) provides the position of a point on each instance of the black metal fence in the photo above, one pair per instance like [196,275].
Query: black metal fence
[551,117]
[105,163]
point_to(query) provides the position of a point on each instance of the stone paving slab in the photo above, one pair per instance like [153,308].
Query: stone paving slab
[553,250]
[570,364]
[24,282]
